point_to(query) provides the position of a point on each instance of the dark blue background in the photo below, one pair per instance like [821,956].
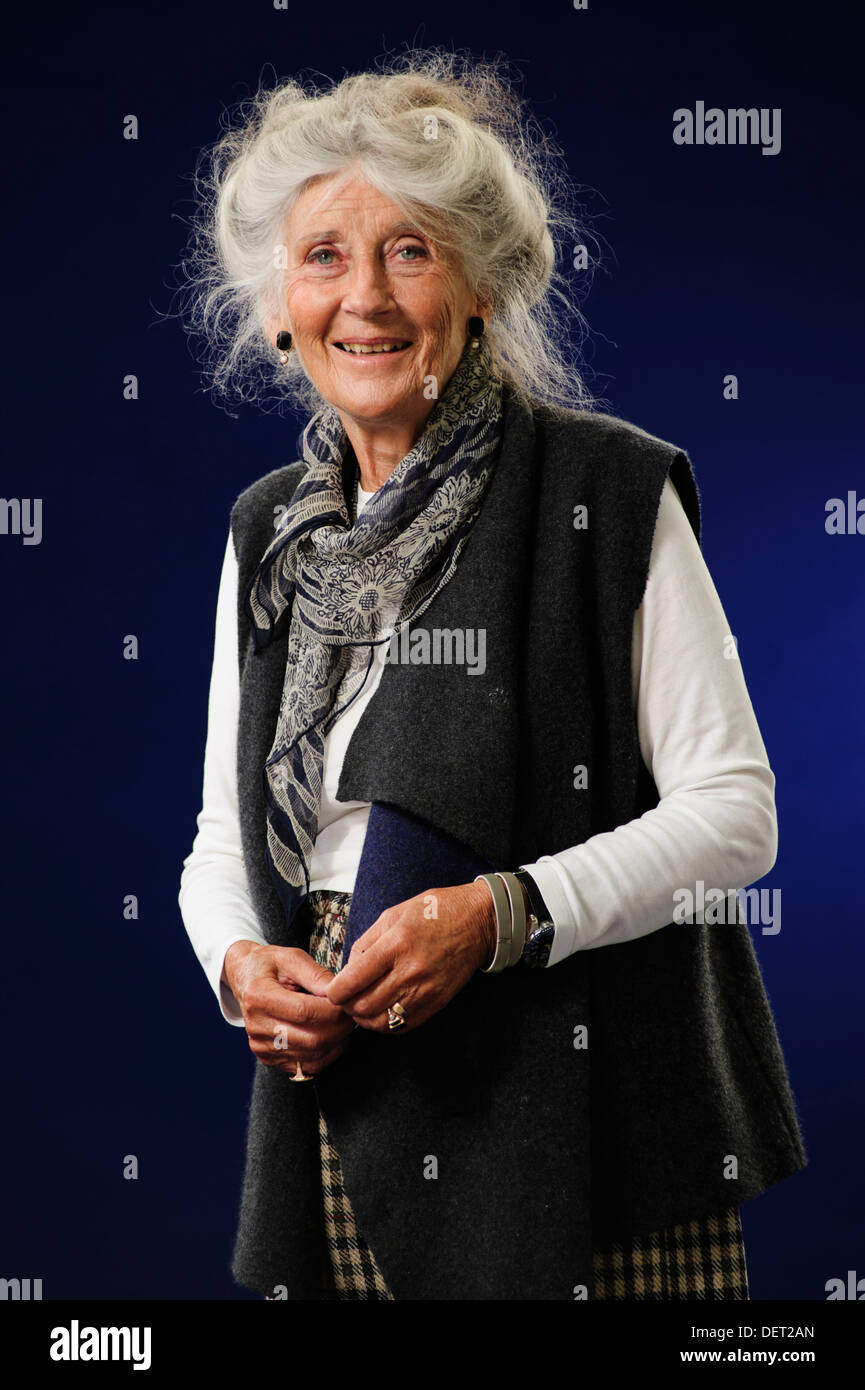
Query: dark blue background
[720,259]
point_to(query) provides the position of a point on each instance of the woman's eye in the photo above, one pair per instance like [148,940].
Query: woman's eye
[408,253]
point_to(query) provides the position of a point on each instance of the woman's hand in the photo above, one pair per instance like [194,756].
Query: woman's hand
[280,991]
[419,952]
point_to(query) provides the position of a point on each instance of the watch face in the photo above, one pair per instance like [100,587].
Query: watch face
[538,946]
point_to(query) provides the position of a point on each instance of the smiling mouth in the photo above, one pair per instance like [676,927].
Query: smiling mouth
[371,349]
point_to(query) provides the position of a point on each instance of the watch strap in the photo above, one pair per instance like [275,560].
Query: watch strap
[541,929]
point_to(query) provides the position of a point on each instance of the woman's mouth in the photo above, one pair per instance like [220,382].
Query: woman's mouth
[376,347]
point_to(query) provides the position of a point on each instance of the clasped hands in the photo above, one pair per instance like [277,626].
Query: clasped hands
[420,952]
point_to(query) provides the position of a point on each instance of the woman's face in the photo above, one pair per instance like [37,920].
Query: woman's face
[359,276]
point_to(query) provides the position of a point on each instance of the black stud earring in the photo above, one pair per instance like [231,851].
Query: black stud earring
[283,342]
[476,329]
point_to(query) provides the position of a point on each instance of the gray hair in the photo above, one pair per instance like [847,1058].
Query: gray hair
[447,140]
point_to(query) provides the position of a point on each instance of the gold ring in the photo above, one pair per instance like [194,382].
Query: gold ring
[396,1016]
[300,1075]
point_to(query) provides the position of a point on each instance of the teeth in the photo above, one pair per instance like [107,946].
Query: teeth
[365,348]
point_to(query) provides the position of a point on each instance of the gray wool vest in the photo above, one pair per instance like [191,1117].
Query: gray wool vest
[543,1151]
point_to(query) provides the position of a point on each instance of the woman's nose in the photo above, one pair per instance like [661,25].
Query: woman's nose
[367,290]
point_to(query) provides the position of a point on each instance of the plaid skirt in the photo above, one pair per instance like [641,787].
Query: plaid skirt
[701,1259]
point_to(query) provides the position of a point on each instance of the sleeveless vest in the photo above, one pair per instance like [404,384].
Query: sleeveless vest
[542,1150]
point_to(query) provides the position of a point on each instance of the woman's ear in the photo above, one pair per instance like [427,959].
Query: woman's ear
[273,319]
[271,328]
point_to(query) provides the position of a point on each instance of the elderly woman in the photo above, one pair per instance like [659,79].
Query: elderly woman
[479,748]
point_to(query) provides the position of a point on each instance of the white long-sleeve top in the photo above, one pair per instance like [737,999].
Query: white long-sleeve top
[699,738]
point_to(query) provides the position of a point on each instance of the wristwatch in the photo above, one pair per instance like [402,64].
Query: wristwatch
[540,928]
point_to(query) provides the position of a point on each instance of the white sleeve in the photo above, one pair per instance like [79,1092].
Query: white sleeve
[699,738]
[214,898]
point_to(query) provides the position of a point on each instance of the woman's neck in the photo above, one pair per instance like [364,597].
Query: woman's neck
[380,450]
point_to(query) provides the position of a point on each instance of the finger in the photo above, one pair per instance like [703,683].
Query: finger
[311,1046]
[383,923]
[371,1006]
[284,1042]
[310,1069]
[361,972]
[299,968]
[275,1047]
[270,1001]
[372,933]
[315,1041]
[378,1021]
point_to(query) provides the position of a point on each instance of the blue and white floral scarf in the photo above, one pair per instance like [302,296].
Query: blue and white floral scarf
[350,587]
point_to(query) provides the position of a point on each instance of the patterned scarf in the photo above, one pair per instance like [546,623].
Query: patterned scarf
[350,587]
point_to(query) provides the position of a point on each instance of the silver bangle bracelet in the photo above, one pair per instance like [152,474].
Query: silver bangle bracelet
[504,932]
[511,919]
[519,919]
